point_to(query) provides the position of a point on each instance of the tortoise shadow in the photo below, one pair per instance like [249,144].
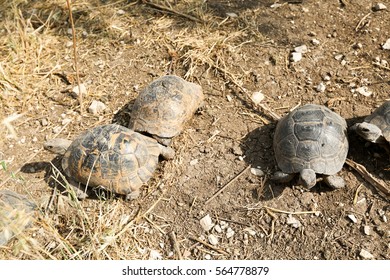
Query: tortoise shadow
[55,178]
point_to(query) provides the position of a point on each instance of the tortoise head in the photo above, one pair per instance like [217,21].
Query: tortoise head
[369,132]
[57,146]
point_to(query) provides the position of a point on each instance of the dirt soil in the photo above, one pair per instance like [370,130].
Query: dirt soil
[232,49]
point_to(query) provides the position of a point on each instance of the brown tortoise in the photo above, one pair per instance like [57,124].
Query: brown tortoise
[164,106]
[109,156]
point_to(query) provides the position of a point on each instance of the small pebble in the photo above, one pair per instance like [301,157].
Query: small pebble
[257,172]
[69,44]
[56,129]
[120,12]
[65,121]
[257,97]
[339,57]
[365,254]
[194,162]
[232,15]
[321,87]
[207,257]
[250,231]
[315,42]
[229,98]
[44,122]
[301,49]
[218,228]
[206,223]
[96,107]
[364,91]
[76,91]
[352,218]
[295,57]
[386,45]
[378,7]
[213,240]
[326,78]
[223,224]
[295,223]
[367,230]
[229,233]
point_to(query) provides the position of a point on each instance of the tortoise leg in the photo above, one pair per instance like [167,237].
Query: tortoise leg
[77,188]
[167,152]
[282,177]
[132,195]
[334,181]
[307,178]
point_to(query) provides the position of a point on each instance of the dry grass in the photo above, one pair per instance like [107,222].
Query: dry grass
[34,48]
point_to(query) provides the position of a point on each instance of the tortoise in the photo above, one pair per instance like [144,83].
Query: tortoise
[110,156]
[164,106]
[376,127]
[311,140]
[16,214]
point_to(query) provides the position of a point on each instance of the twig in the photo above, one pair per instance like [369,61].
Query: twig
[209,245]
[357,194]
[228,184]
[358,26]
[80,95]
[172,235]
[154,225]
[369,178]
[169,10]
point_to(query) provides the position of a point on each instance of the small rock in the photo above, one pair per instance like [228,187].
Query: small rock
[378,7]
[315,42]
[206,223]
[326,78]
[56,129]
[194,162]
[229,98]
[257,172]
[293,221]
[44,122]
[76,91]
[295,57]
[386,45]
[363,91]
[69,44]
[257,97]
[207,257]
[213,240]
[301,49]
[365,254]
[358,46]
[120,12]
[367,230]
[96,107]
[65,121]
[217,228]
[229,233]
[352,218]
[321,87]
[339,57]
[223,224]
[232,15]
[250,231]
[237,151]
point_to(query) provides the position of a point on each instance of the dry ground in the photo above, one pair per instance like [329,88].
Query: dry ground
[231,48]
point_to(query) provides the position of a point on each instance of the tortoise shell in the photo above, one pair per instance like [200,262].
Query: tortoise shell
[311,137]
[113,157]
[164,106]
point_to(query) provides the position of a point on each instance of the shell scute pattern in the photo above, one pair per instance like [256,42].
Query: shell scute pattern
[113,157]
[311,137]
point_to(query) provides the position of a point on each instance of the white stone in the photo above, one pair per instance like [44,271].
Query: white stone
[295,56]
[207,257]
[386,45]
[315,42]
[120,12]
[352,218]
[379,7]
[223,224]
[229,233]
[213,240]
[338,57]
[257,172]
[365,254]
[229,98]
[206,223]
[257,97]
[194,162]
[301,49]
[321,87]
[291,220]
[217,228]
[83,89]
[96,107]
[363,91]
[367,230]
[232,15]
